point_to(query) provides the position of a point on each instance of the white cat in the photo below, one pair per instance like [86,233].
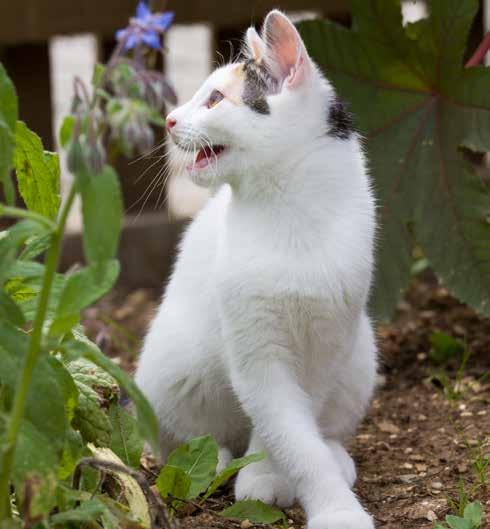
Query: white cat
[262,336]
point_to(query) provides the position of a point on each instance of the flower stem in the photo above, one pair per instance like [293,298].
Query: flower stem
[34,349]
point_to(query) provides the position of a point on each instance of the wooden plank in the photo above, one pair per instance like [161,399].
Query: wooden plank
[37,20]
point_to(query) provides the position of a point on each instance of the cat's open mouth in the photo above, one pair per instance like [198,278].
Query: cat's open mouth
[207,156]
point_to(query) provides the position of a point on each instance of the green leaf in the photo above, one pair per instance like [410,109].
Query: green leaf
[127,442]
[444,347]
[198,458]
[10,311]
[88,373]
[173,481]
[33,285]
[34,473]
[90,418]
[72,452]
[255,511]
[7,145]
[408,89]
[147,420]
[45,407]
[474,513]
[234,466]
[38,173]
[102,213]
[66,130]
[81,289]
[89,510]
[455,522]
[8,118]
[99,71]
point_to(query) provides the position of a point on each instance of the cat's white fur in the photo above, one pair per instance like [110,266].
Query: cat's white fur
[262,337]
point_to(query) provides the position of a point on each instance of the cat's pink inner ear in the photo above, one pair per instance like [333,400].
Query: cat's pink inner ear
[285,51]
[256,45]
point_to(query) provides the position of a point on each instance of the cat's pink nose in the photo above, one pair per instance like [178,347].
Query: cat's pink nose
[171,122]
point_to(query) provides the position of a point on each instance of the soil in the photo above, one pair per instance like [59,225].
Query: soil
[422,440]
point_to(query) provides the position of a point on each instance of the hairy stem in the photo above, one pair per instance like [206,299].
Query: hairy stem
[18,408]
[480,52]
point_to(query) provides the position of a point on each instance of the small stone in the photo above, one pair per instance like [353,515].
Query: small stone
[388,427]
[437,485]
[462,468]
[421,467]
[462,407]
[416,457]
[422,417]
[246,524]
[421,357]
[431,516]
[466,414]
[408,466]
[408,478]
[408,450]
[482,412]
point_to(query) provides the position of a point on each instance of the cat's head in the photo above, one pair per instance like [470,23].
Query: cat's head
[252,115]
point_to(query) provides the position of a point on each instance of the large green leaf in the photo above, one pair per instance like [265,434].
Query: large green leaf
[416,105]
[8,118]
[126,441]
[255,511]
[45,407]
[81,289]
[80,346]
[51,399]
[198,459]
[175,482]
[38,172]
[102,213]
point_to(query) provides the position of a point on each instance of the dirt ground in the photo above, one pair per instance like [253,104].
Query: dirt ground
[422,441]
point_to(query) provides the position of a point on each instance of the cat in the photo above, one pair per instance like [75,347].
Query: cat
[263,338]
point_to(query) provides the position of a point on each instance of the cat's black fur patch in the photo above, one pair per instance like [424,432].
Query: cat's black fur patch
[257,84]
[340,121]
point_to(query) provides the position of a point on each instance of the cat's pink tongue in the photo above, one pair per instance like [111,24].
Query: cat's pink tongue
[205,156]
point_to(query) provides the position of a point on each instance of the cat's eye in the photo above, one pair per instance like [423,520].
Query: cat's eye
[215,97]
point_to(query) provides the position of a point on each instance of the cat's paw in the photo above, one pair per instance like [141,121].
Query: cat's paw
[224,458]
[268,487]
[344,519]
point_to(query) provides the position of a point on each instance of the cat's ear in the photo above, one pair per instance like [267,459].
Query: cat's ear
[286,55]
[255,45]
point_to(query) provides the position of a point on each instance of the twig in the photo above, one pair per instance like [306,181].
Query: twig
[158,510]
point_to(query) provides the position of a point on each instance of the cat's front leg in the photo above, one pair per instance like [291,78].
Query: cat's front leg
[263,372]
[263,480]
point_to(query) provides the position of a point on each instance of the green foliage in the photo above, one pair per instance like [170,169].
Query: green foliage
[472,518]
[234,466]
[198,459]
[190,473]
[102,211]
[59,394]
[255,511]
[444,347]
[8,120]
[38,173]
[126,441]
[417,106]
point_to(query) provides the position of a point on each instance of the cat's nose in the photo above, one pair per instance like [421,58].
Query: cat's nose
[171,122]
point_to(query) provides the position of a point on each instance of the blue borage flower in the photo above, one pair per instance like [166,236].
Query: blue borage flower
[145,29]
